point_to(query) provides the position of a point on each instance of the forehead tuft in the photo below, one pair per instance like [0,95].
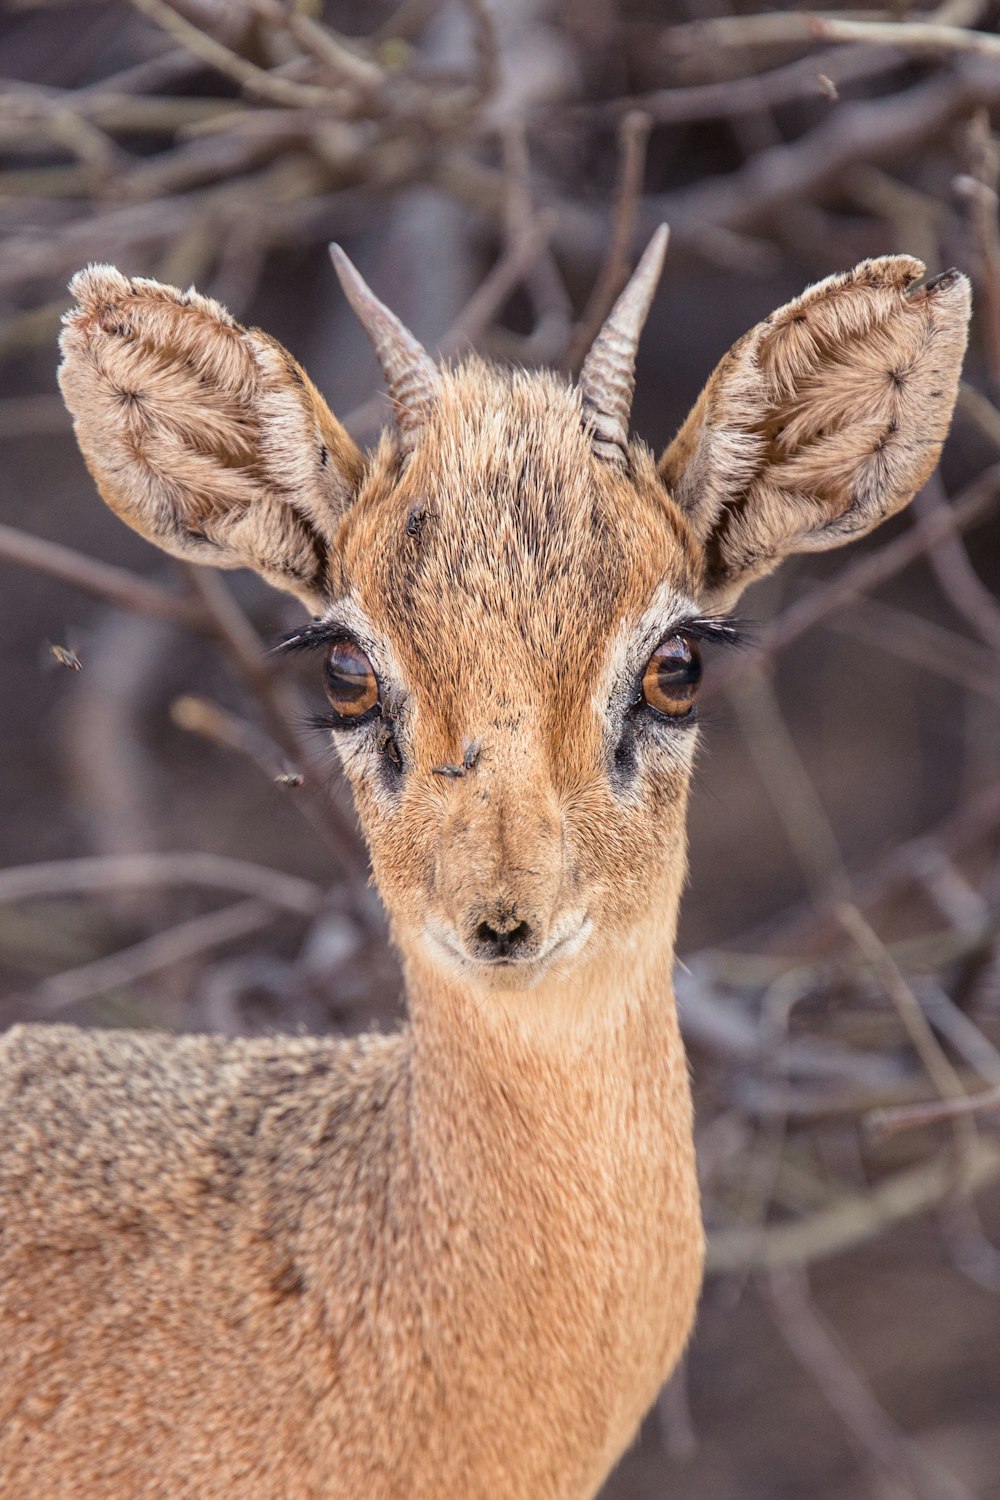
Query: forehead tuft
[504,517]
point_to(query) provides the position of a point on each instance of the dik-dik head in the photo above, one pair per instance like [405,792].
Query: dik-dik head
[510,595]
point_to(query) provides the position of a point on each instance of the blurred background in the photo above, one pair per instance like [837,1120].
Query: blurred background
[178,849]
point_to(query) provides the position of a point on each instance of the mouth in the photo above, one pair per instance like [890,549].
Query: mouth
[526,968]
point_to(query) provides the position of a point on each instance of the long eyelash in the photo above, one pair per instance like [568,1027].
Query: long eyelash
[328,721]
[308,637]
[320,722]
[718,630]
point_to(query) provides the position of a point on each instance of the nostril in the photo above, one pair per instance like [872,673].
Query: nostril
[503,942]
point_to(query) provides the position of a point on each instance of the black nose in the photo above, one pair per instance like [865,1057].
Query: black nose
[503,942]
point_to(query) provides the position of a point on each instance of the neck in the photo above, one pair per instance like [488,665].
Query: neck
[556,1185]
[559,1062]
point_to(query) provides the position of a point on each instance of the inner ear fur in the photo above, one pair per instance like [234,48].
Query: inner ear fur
[822,421]
[204,436]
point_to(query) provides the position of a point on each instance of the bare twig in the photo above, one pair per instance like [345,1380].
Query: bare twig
[102,743]
[114,110]
[973,824]
[910,1116]
[877,132]
[255,80]
[201,716]
[906,36]
[877,1440]
[931,647]
[961,1032]
[781,28]
[486,47]
[954,571]
[789,785]
[737,96]
[343,60]
[489,297]
[115,585]
[940,1071]
[939,1067]
[90,876]
[853,1218]
[877,567]
[633,135]
[251,662]
[978,186]
[553,310]
[980,410]
[180,944]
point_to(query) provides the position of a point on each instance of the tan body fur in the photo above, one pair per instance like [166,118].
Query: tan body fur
[458,1261]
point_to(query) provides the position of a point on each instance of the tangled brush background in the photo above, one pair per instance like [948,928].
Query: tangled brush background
[180,850]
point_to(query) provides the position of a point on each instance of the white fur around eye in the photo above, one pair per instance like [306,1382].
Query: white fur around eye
[629,649]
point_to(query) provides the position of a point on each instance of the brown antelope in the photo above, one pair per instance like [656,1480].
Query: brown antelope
[458,1261]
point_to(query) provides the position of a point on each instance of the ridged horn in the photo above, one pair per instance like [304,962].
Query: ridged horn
[410,373]
[607,379]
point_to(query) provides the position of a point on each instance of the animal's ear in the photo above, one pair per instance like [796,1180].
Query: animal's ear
[820,422]
[205,437]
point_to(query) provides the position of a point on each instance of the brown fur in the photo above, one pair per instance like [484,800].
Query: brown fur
[460,1260]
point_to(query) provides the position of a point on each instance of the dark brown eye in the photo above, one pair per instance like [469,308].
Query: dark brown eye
[671,679]
[350,681]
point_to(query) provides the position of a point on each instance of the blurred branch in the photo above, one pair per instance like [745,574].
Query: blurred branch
[275,696]
[959,581]
[633,137]
[978,187]
[180,944]
[929,646]
[342,59]
[115,111]
[207,49]
[877,566]
[115,585]
[878,132]
[907,36]
[201,716]
[788,784]
[486,46]
[103,748]
[759,91]
[909,1116]
[89,876]
[939,1068]
[488,299]
[961,1032]
[551,306]
[796,28]
[876,1438]
[855,1217]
